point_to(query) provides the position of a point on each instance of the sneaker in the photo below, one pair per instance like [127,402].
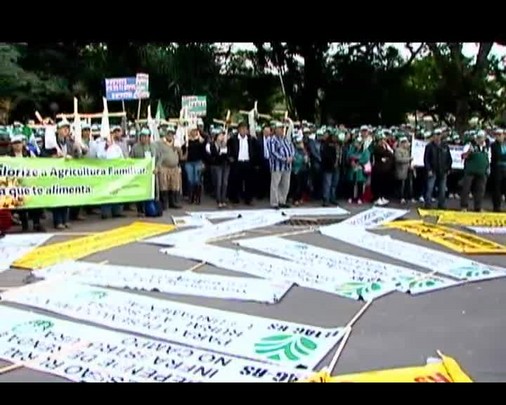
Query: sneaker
[385,201]
[451,196]
[379,201]
[413,200]
[66,226]
[59,227]
[463,209]
[421,199]
[359,201]
[403,201]
[350,201]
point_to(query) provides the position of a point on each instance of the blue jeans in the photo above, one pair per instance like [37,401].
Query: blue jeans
[330,183]
[111,209]
[60,216]
[193,173]
[440,182]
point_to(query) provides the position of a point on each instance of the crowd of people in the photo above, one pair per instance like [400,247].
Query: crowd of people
[290,164]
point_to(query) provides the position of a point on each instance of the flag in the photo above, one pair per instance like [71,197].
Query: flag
[155,135]
[105,129]
[160,115]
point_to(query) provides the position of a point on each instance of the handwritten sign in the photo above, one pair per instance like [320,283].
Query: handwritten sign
[127,88]
[195,105]
[371,218]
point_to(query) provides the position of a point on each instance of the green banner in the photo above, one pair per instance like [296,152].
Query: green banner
[196,105]
[46,182]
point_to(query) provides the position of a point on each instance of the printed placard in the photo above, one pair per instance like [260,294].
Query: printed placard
[261,339]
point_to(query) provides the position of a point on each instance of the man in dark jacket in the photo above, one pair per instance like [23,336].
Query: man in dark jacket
[438,163]
[498,169]
[243,153]
[264,182]
[330,165]
[476,168]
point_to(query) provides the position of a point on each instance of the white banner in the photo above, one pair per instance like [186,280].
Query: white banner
[262,339]
[418,151]
[189,221]
[487,230]
[85,353]
[406,280]
[205,234]
[316,277]
[371,218]
[169,281]
[14,247]
[434,260]
[291,212]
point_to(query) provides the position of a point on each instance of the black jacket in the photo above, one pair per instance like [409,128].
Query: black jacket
[328,154]
[437,158]
[496,156]
[233,149]
[215,157]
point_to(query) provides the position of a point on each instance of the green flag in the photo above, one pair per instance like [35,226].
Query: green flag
[160,115]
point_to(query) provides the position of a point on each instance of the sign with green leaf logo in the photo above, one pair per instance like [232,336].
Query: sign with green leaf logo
[285,347]
[33,327]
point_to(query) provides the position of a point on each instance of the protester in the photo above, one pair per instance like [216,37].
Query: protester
[194,154]
[111,149]
[65,148]
[281,158]
[143,149]
[314,145]
[220,166]
[300,171]
[381,180]
[264,181]
[19,151]
[498,169]
[438,163]
[359,159]
[403,171]
[330,161]
[242,152]
[476,169]
[168,170]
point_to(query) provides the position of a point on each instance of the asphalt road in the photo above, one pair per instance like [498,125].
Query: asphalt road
[466,322]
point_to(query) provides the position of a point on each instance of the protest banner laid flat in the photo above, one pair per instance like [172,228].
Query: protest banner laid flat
[443,370]
[13,247]
[475,219]
[49,183]
[83,353]
[81,247]
[257,338]
[169,281]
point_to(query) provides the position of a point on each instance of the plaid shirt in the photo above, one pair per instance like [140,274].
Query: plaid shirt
[280,148]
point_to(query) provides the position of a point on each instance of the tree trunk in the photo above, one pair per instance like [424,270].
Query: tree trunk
[462,116]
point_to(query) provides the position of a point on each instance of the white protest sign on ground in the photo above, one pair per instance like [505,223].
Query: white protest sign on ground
[190,221]
[291,212]
[434,260]
[205,234]
[406,280]
[315,277]
[487,230]
[169,281]
[418,151]
[83,353]
[14,247]
[371,218]
[262,339]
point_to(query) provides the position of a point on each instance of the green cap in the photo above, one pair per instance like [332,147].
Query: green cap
[144,132]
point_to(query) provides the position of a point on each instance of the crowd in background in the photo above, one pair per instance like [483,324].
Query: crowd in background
[286,163]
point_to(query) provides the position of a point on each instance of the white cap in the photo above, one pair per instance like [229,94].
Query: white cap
[403,139]
[200,121]
[63,123]
[17,138]
[364,128]
[438,131]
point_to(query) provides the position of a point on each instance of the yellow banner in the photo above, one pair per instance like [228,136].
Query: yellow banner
[445,371]
[453,239]
[81,247]
[484,219]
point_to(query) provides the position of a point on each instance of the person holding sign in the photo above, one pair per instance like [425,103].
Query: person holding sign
[498,169]
[476,169]
[438,164]
[220,167]
[143,149]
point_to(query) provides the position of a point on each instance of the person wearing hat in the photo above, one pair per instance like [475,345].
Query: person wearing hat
[19,150]
[220,166]
[438,164]
[243,154]
[264,175]
[65,148]
[143,149]
[281,157]
[300,171]
[331,154]
[498,169]
[194,155]
[168,156]
[476,169]
[359,160]
[382,170]
[403,170]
